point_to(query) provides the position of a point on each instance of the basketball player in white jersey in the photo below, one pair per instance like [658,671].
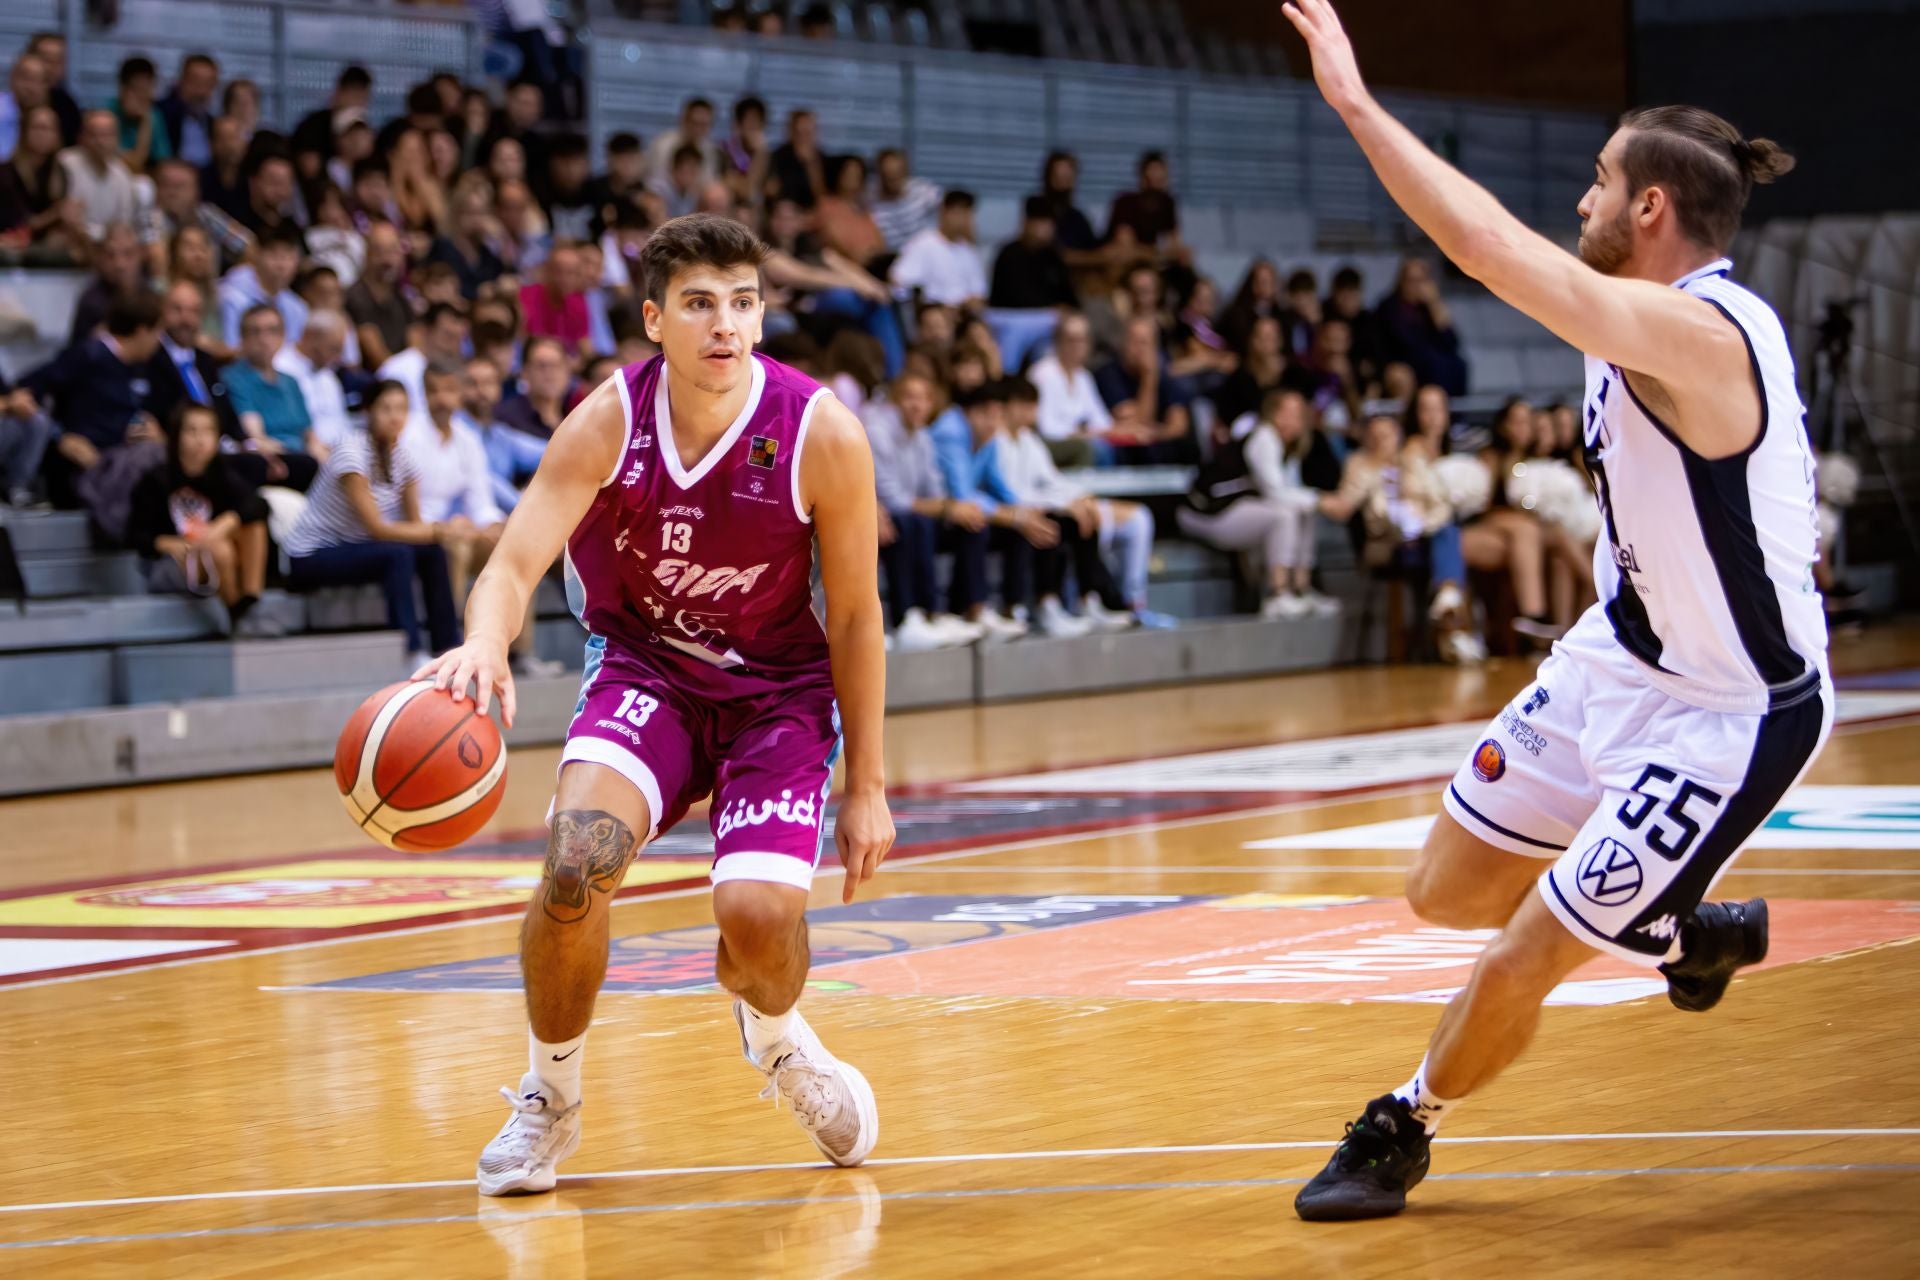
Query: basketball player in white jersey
[1607,799]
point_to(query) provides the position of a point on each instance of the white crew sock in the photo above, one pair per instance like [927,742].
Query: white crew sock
[765,1030]
[558,1065]
[1427,1106]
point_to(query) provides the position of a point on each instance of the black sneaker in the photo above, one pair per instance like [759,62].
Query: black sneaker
[1719,938]
[1383,1156]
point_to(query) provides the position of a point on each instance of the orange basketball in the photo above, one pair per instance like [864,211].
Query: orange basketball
[418,771]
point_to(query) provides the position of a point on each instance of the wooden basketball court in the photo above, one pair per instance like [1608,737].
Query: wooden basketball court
[1114,1017]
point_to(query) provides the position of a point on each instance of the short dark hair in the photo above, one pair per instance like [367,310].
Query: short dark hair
[199,60]
[132,311]
[490,333]
[137,66]
[353,76]
[693,103]
[261,309]
[366,166]
[1020,390]
[992,391]
[39,38]
[747,104]
[1302,281]
[1038,208]
[442,369]
[687,151]
[1151,157]
[544,340]
[623,144]
[284,236]
[1705,166]
[568,146]
[304,281]
[957,199]
[423,99]
[1347,277]
[696,240]
[438,311]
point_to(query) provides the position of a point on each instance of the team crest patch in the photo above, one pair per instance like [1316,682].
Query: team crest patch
[1489,761]
[765,449]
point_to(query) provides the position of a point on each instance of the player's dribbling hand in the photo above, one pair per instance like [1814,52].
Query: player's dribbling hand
[863,831]
[477,663]
[1334,67]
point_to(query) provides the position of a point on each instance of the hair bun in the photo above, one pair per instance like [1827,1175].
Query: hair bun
[1762,158]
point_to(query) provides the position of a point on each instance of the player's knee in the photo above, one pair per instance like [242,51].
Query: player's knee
[1513,970]
[757,919]
[1437,902]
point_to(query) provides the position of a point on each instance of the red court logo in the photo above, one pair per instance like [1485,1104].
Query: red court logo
[1489,761]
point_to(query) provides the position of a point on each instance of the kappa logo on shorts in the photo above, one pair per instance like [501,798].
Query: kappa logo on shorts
[765,449]
[1609,873]
[1663,928]
[1489,761]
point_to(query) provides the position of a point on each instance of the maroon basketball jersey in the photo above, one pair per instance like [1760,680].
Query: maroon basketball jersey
[707,572]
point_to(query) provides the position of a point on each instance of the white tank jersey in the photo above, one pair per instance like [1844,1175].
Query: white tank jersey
[1704,569]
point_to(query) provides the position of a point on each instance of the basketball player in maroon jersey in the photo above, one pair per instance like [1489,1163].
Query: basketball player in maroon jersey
[688,493]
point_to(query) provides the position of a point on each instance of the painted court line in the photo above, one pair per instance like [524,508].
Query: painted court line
[1174,868]
[979,1193]
[1067,1153]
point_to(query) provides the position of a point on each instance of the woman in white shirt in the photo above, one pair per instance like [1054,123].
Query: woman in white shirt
[362,525]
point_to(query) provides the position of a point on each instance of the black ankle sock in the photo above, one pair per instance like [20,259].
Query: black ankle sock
[242,607]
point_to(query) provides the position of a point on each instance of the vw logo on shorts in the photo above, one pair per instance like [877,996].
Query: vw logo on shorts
[1609,873]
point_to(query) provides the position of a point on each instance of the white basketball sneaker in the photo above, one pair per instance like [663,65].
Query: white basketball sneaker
[832,1101]
[524,1157]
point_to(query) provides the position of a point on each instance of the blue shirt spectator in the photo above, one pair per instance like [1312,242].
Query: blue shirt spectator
[970,468]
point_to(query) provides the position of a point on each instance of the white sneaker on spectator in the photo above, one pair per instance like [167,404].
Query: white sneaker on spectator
[1057,622]
[1103,618]
[1445,601]
[955,630]
[1321,606]
[256,625]
[1463,647]
[1285,605]
[530,666]
[997,626]
[916,634]
[832,1101]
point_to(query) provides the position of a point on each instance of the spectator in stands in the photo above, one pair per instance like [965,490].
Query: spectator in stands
[423,115]
[335,244]
[183,371]
[463,246]
[1347,301]
[600,303]
[816,23]
[918,518]
[570,207]
[695,129]
[1513,465]
[25,432]
[117,273]
[272,410]
[1417,329]
[1403,510]
[1263,369]
[417,193]
[744,155]
[177,204]
[267,277]
[314,138]
[769,23]
[362,524]
[519,120]
[370,197]
[495,340]
[310,364]
[1147,216]
[512,456]
[1195,349]
[842,220]
[353,145]
[1253,494]
[51,48]
[27,87]
[142,131]
[97,391]
[97,177]
[556,306]
[200,529]
[1326,377]
[546,383]
[1152,420]
[1140,292]
[1072,418]
[832,284]
[1084,523]
[1258,296]
[678,189]
[796,170]
[1031,285]
[380,315]
[223,179]
[241,104]
[187,112]
[941,263]
[443,157]
[441,336]
[1301,315]
[33,192]
[966,441]
[270,197]
[436,282]
[1075,235]
[903,205]
[620,188]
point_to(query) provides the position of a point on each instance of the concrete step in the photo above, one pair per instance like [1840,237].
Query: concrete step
[244,668]
[36,533]
[47,682]
[55,574]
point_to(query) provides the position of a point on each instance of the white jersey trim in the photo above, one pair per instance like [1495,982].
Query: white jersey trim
[663,423]
[799,446]
[626,437]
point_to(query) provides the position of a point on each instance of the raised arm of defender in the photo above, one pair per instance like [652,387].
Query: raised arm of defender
[578,460]
[1677,340]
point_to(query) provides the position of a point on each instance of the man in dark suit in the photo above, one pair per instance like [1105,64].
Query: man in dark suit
[98,390]
[189,110]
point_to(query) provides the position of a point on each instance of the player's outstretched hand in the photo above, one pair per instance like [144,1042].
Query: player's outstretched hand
[1334,68]
[477,666]
[863,830]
